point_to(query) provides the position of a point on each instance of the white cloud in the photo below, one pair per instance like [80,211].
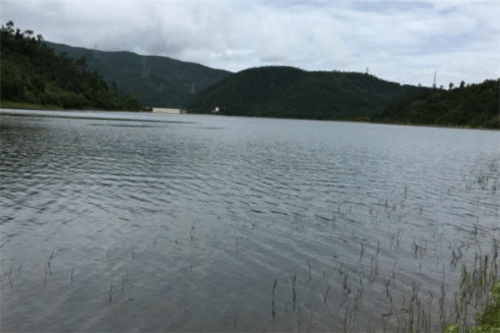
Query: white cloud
[400,41]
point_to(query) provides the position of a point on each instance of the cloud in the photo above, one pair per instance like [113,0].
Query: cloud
[401,41]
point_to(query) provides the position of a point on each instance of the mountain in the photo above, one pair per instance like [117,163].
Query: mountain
[289,92]
[154,80]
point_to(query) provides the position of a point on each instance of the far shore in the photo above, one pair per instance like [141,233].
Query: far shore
[35,109]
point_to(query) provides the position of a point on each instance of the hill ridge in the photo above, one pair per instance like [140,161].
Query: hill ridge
[283,91]
[155,80]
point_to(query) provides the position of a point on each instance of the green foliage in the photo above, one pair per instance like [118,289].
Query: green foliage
[487,321]
[474,106]
[490,317]
[293,93]
[34,74]
[155,81]
[30,106]
[12,83]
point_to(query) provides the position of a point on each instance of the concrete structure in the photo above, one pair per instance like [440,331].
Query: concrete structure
[166,111]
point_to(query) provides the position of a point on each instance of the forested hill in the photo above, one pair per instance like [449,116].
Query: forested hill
[33,73]
[294,93]
[156,81]
[475,105]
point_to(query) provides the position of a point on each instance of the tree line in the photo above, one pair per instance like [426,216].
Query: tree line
[474,105]
[287,92]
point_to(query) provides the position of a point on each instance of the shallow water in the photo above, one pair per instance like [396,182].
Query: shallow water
[121,221]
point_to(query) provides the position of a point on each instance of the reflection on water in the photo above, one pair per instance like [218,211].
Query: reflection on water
[112,222]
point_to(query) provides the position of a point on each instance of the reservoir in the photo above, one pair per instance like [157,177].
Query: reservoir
[158,222]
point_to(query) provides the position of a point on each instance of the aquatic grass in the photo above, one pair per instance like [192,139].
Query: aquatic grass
[10,273]
[48,263]
[415,314]
[423,311]
[273,308]
[362,252]
[487,320]
[191,232]
[310,272]
[326,294]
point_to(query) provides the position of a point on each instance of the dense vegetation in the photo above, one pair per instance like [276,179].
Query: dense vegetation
[487,320]
[33,73]
[294,93]
[155,81]
[476,105]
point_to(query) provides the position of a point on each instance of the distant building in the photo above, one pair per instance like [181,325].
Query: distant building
[166,111]
[216,110]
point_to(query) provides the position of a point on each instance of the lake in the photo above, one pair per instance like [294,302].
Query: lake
[149,222]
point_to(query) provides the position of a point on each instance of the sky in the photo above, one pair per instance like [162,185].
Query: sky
[405,42]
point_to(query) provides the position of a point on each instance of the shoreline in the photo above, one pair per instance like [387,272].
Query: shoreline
[35,110]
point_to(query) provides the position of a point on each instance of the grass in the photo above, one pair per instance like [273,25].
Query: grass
[488,320]
[474,285]
[28,106]
[472,294]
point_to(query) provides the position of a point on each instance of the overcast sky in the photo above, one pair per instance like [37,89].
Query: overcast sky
[404,42]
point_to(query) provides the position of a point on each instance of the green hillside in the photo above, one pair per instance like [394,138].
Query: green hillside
[476,105]
[32,74]
[156,81]
[294,93]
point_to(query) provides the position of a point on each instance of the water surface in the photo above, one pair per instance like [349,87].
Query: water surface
[122,221]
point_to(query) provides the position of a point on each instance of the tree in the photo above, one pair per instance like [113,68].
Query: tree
[10,27]
[82,63]
[462,85]
[34,73]
[114,87]
[451,85]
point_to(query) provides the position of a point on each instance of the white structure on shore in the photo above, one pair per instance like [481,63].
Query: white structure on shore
[166,111]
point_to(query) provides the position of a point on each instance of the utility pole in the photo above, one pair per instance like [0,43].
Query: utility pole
[95,51]
[434,84]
